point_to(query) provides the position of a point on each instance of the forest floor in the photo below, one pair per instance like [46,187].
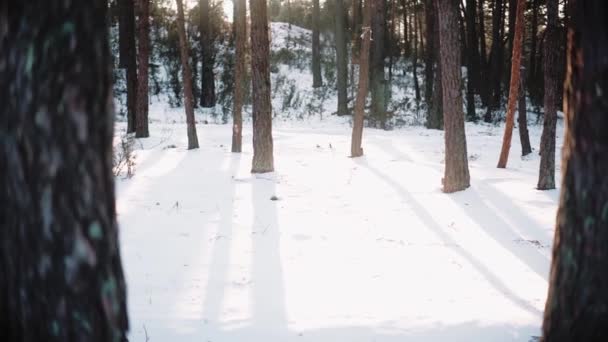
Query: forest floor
[329,248]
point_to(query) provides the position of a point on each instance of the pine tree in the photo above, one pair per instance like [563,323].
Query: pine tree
[317,80]
[263,160]
[341,58]
[187,75]
[577,303]
[128,57]
[61,277]
[207,54]
[240,83]
[357,136]
[141,118]
[456,176]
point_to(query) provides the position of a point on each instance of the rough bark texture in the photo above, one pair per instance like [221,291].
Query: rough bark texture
[546,175]
[355,148]
[240,71]
[341,59]
[260,80]
[187,75]
[61,277]
[377,81]
[207,56]
[141,117]
[430,55]
[514,87]
[456,176]
[522,117]
[472,59]
[577,304]
[435,114]
[128,57]
[317,80]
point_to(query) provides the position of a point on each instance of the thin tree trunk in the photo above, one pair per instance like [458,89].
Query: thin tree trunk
[435,118]
[317,80]
[522,117]
[187,75]
[263,160]
[472,59]
[483,58]
[495,64]
[546,175]
[405,29]
[341,59]
[240,73]
[415,60]
[533,47]
[355,148]
[141,117]
[128,58]
[456,176]
[378,83]
[207,54]
[577,303]
[61,276]
[429,56]
[514,87]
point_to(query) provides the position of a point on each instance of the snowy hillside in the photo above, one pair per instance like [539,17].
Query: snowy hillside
[331,248]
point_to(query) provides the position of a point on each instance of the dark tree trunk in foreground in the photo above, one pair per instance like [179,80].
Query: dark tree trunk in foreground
[522,117]
[128,58]
[317,80]
[240,82]
[546,175]
[577,304]
[187,75]
[514,87]
[61,277]
[355,148]
[260,78]
[141,118]
[456,176]
[341,59]
[377,81]
[207,76]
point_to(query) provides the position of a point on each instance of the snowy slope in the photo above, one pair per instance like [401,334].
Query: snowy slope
[353,250]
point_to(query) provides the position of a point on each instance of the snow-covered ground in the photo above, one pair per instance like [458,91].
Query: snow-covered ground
[365,249]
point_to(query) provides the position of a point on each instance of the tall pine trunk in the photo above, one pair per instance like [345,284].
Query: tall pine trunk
[240,74]
[317,80]
[456,175]
[546,175]
[577,304]
[514,86]
[141,117]
[522,116]
[128,57]
[61,277]
[472,59]
[377,81]
[495,62]
[187,75]
[355,148]
[260,80]
[341,58]
[207,54]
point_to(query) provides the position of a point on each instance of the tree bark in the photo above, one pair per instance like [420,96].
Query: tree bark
[207,54]
[546,175]
[128,58]
[514,92]
[456,175]
[317,80]
[430,55]
[341,59]
[577,304]
[355,148]
[61,277]
[495,64]
[415,59]
[187,75]
[378,83]
[240,73]
[260,79]
[141,117]
[522,117]
[472,59]
[483,58]
[435,116]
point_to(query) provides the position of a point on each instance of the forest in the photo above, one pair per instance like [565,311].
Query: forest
[304,170]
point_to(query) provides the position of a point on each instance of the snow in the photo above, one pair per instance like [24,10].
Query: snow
[365,249]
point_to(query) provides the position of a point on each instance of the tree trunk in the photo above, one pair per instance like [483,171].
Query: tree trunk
[317,80]
[240,74]
[355,148]
[341,59]
[495,65]
[577,304]
[378,83]
[405,29]
[187,75]
[483,58]
[532,85]
[429,56]
[61,277]
[512,13]
[141,117]
[472,59]
[514,87]
[128,58]
[260,80]
[356,39]
[456,176]
[435,116]
[415,60]
[207,54]
[546,175]
[522,117]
